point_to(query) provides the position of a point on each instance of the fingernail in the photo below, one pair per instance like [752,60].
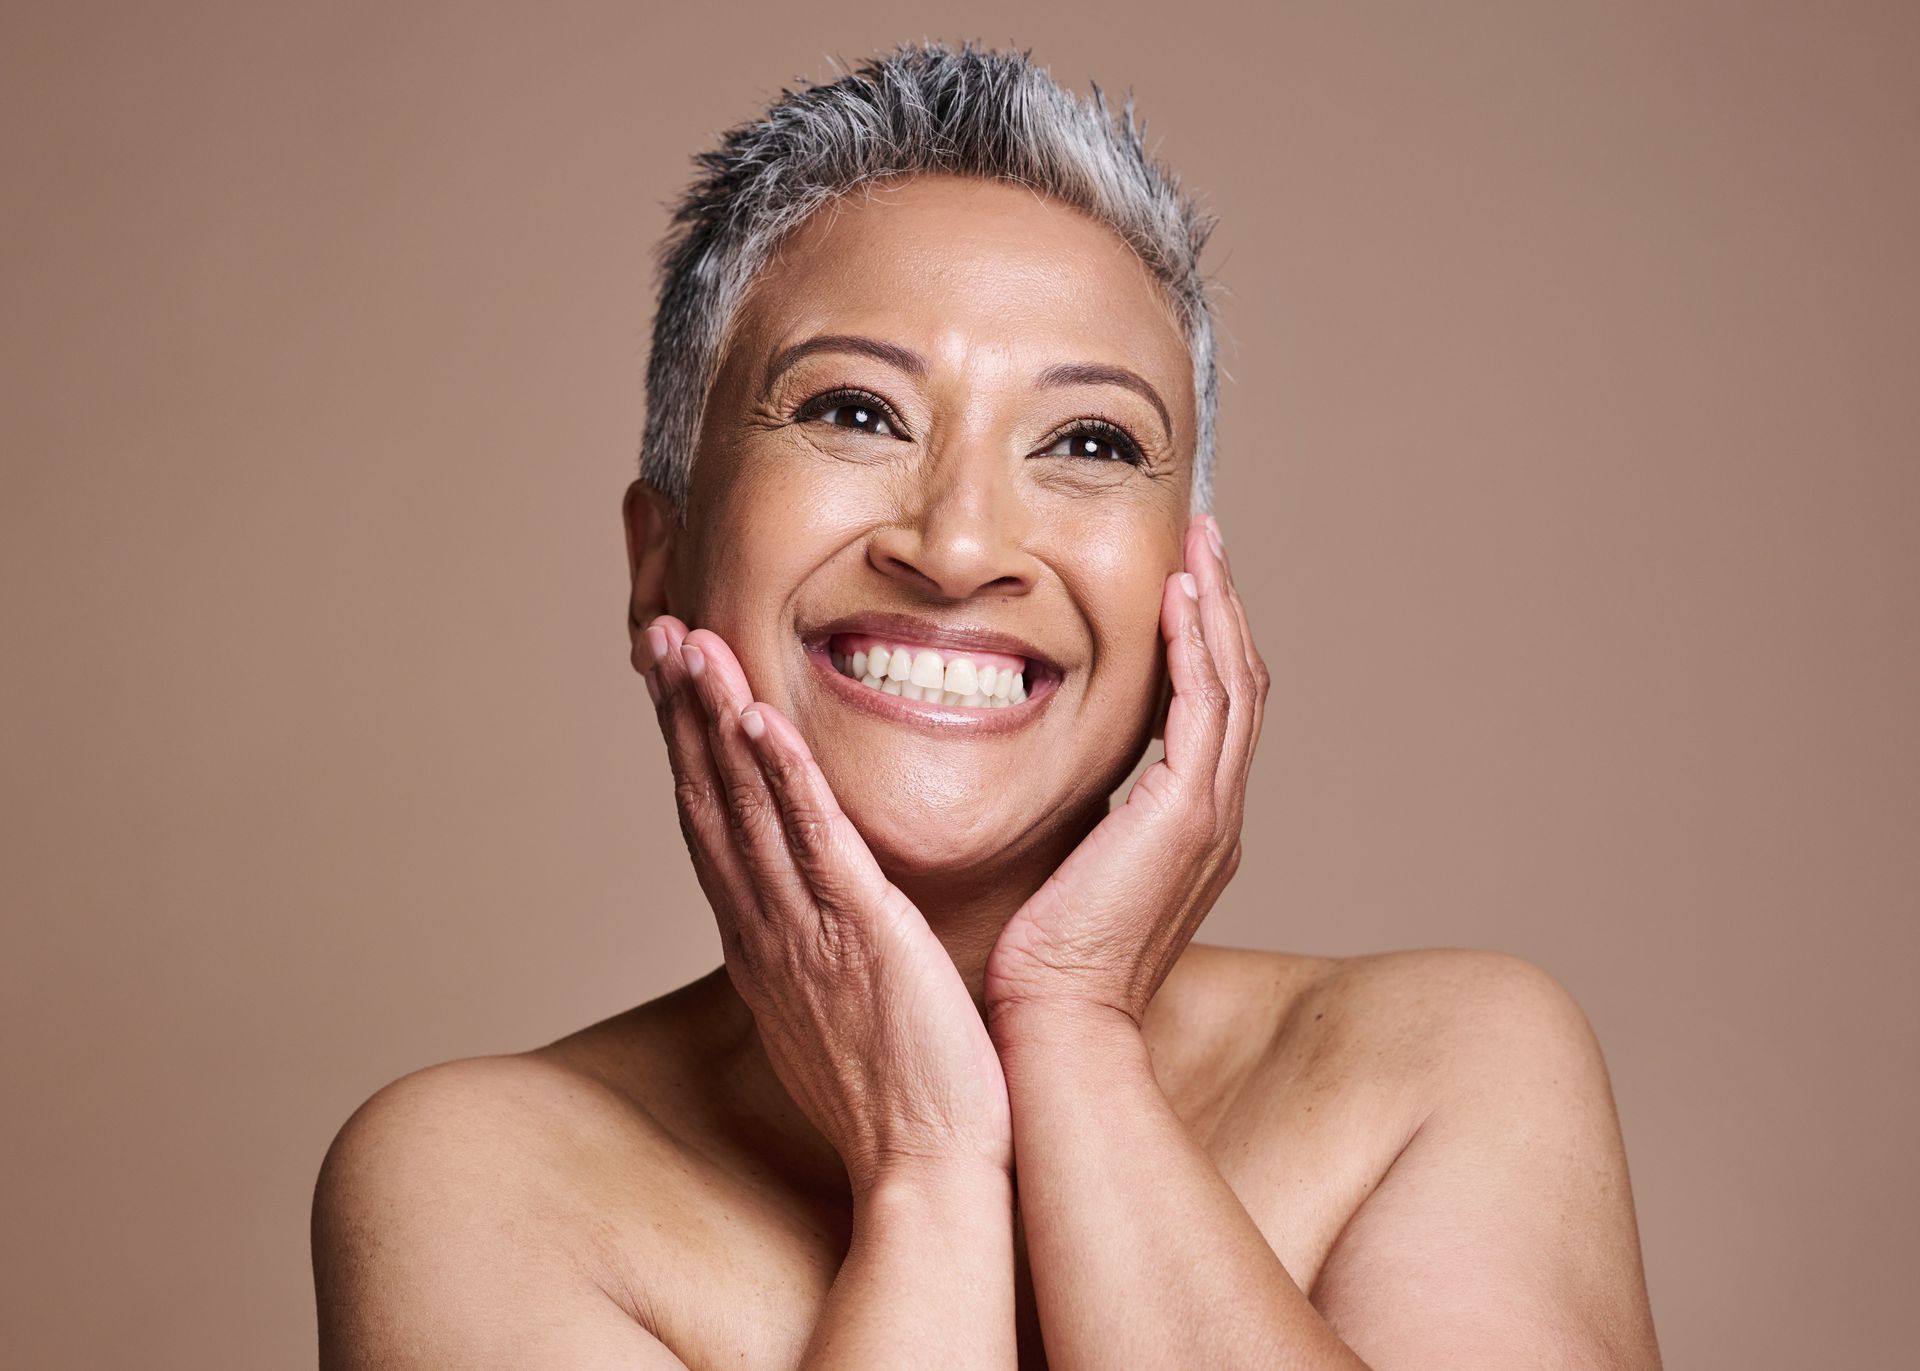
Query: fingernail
[1188,584]
[653,686]
[657,644]
[695,659]
[751,721]
[1213,536]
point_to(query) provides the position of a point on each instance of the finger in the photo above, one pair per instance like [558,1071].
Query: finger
[1225,646]
[654,648]
[1197,716]
[752,810]
[1256,665]
[699,795]
[826,848]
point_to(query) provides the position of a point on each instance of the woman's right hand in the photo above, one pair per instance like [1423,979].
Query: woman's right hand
[863,1014]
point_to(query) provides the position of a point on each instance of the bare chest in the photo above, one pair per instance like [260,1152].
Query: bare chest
[732,1272]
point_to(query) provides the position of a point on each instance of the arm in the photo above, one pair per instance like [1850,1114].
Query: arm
[438,1240]
[928,1279]
[452,1228]
[1138,1246]
[1504,1234]
[1141,1252]
[446,1223]
[864,1018]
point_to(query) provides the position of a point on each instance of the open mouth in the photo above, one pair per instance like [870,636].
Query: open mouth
[967,680]
[914,669]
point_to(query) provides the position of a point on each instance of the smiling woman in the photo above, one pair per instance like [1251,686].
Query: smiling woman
[920,566]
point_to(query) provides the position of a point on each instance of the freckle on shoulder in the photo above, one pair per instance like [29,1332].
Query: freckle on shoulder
[1440,1009]
[1247,988]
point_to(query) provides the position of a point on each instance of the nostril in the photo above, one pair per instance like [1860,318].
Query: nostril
[952,563]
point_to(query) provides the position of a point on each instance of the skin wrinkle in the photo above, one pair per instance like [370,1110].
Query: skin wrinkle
[796,523]
[841,1084]
[920,110]
[1060,374]
[1097,374]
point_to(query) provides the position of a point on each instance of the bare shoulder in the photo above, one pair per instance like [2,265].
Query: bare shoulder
[1452,1012]
[1503,1228]
[461,1196]
[1435,1017]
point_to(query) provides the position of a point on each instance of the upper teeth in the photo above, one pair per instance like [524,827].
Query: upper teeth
[923,674]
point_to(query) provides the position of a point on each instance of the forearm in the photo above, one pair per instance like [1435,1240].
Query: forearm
[1141,1253]
[928,1278]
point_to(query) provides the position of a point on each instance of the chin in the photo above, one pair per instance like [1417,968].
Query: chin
[968,836]
[919,840]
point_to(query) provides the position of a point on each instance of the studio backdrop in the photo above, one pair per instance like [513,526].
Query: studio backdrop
[1569,453]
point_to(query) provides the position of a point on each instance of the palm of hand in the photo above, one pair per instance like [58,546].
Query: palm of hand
[1107,926]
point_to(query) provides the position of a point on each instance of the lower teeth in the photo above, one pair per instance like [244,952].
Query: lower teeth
[933,694]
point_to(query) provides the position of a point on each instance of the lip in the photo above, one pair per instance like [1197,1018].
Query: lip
[898,709]
[926,633]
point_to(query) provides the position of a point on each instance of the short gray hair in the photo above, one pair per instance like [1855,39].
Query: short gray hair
[922,108]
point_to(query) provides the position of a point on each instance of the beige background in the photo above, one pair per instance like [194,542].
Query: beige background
[1571,462]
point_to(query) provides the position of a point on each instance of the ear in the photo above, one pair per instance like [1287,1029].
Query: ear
[651,528]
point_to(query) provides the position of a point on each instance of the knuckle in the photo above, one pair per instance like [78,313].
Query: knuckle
[673,704]
[748,803]
[809,833]
[784,771]
[839,904]
[692,797]
[1210,696]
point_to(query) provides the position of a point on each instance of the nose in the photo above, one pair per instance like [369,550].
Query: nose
[962,530]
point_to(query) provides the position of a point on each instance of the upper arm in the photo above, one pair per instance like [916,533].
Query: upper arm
[1504,1234]
[441,1235]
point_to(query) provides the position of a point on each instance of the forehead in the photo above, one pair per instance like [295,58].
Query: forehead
[969,272]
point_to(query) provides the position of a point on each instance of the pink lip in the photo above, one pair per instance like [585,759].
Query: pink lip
[898,709]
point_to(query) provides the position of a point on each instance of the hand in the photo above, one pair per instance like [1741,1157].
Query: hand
[865,1019]
[1106,928]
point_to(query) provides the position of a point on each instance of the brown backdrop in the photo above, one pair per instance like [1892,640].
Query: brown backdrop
[1569,458]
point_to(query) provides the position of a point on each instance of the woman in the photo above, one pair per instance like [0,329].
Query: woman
[916,578]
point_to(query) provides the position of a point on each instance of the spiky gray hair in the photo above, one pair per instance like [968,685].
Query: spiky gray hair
[920,108]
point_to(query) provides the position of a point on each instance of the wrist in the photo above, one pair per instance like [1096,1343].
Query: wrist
[933,1185]
[1060,1025]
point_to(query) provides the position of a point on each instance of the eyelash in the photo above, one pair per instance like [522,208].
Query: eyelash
[1103,430]
[1106,432]
[833,399]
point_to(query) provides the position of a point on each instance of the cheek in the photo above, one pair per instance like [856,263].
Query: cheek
[1119,570]
[1136,654]
[760,546]
[787,505]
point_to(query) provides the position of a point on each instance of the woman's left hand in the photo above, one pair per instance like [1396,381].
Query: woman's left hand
[1106,928]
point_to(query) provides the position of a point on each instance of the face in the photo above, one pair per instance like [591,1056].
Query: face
[950,438]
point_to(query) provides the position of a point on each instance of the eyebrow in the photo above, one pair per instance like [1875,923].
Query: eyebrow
[906,359]
[1103,374]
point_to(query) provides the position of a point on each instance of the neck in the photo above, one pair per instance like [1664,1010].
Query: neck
[966,911]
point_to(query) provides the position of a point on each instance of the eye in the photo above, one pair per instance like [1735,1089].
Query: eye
[1098,441]
[852,409]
